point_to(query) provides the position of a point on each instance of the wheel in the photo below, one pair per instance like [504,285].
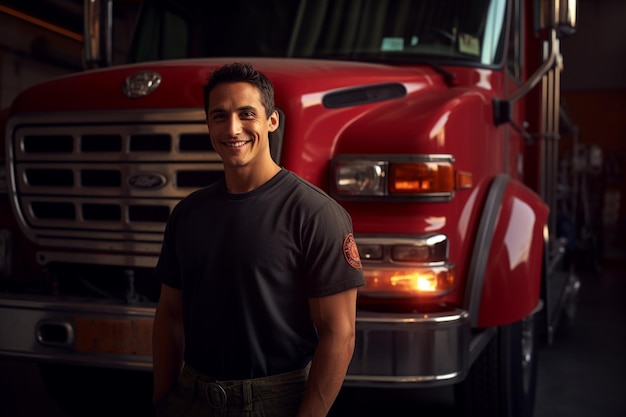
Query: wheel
[82,391]
[503,380]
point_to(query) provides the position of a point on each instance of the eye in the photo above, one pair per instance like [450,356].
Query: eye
[248,115]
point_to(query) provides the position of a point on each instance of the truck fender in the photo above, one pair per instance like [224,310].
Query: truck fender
[504,274]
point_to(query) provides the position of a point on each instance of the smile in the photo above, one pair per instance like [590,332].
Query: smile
[236,144]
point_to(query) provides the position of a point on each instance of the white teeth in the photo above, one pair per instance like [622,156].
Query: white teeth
[235,144]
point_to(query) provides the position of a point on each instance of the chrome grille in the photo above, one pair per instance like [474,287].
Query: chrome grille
[108,184]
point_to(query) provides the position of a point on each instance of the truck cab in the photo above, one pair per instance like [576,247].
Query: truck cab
[434,123]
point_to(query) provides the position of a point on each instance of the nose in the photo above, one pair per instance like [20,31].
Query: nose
[234,125]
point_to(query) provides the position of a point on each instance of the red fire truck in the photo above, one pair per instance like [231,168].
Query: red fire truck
[434,122]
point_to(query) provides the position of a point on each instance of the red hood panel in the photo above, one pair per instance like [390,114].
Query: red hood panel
[181,85]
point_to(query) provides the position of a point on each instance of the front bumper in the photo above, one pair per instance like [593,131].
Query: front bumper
[76,331]
[394,350]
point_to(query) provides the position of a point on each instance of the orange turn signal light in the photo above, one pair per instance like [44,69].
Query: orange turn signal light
[421,178]
[424,281]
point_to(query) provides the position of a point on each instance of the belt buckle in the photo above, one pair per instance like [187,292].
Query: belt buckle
[216,395]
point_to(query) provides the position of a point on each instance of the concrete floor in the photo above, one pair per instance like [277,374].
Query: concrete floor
[581,375]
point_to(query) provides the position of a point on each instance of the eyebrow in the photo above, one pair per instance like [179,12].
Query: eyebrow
[239,109]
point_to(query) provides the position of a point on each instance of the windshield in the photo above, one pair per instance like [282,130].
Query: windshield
[461,31]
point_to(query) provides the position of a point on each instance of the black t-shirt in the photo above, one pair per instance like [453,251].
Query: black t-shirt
[247,264]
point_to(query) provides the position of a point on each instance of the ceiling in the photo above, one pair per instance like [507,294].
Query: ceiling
[67,14]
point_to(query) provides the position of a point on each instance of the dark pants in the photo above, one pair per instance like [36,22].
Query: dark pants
[198,395]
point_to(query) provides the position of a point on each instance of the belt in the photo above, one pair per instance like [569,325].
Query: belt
[242,392]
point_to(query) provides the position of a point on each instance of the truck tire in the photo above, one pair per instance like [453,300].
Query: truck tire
[502,381]
[91,391]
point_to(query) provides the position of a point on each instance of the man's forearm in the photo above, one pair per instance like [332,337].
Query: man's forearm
[167,354]
[166,373]
[328,370]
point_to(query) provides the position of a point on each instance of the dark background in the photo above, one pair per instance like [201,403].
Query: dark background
[582,373]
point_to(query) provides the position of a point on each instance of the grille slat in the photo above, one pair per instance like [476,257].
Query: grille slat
[100,178]
[109,182]
[145,213]
[116,143]
[150,143]
[103,212]
[53,210]
[51,177]
[196,178]
[190,142]
[101,143]
[49,144]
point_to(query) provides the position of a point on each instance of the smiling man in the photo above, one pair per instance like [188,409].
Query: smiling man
[239,120]
[259,276]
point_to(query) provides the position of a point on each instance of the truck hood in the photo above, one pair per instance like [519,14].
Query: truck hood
[181,85]
[375,109]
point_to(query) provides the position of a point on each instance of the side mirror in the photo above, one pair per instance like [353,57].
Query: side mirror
[566,17]
[556,14]
[98,27]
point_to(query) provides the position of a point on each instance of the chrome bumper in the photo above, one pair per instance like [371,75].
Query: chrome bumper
[77,332]
[405,350]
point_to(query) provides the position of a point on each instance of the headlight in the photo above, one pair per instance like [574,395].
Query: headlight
[406,266]
[361,178]
[419,176]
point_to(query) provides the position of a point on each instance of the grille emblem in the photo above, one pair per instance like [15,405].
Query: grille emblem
[147,180]
[141,84]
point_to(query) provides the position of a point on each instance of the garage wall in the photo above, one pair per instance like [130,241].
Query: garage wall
[30,55]
[595,57]
[594,94]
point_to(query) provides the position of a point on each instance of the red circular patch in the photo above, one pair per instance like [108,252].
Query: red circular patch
[351,252]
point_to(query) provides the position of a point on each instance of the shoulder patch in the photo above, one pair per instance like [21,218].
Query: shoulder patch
[351,252]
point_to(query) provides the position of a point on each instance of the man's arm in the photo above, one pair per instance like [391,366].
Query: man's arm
[334,317]
[167,341]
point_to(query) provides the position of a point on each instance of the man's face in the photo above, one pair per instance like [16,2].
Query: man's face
[239,126]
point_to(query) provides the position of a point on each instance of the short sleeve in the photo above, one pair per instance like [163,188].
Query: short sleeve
[332,262]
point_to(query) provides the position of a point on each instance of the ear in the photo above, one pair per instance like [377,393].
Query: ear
[273,121]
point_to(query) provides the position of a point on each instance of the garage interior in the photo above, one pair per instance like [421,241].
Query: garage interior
[582,373]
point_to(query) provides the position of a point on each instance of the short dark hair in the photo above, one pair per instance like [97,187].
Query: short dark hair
[238,72]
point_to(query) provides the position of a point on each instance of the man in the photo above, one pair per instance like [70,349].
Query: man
[259,276]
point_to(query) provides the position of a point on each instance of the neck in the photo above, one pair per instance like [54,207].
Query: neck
[244,179]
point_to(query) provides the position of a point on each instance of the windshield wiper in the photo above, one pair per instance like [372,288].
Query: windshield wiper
[448,77]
